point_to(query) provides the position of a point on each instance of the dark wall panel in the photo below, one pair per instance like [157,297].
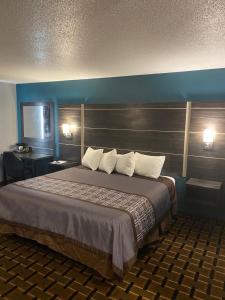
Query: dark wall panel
[75,139]
[70,149]
[201,163]
[204,168]
[154,129]
[70,152]
[135,140]
[196,146]
[202,118]
[142,119]
[208,104]
[142,105]
[69,115]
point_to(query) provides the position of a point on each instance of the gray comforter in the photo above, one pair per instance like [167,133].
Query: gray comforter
[111,213]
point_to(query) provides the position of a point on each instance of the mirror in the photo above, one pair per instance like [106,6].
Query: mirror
[37,121]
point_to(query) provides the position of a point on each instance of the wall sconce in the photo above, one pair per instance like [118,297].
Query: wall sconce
[68,130]
[208,138]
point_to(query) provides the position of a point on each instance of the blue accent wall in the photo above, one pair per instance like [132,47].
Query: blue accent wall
[193,86]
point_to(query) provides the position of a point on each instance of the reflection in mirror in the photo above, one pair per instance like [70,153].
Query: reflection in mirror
[36,121]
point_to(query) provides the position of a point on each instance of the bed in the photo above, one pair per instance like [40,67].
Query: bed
[98,219]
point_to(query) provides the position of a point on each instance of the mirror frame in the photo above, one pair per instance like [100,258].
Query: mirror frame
[37,140]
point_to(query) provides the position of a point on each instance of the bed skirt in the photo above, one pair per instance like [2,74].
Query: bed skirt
[93,258]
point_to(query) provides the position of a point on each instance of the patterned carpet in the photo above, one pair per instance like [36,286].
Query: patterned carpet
[188,263]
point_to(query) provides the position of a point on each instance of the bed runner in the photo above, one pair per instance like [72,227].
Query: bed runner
[139,208]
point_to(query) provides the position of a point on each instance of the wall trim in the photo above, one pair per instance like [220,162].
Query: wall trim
[206,157]
[74,145]
[200,132]
[129,129]
[82,130]
[141,108]
[209,108]
[186,138]
[69,108]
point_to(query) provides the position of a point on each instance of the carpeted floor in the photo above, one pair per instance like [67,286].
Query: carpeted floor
[189,262]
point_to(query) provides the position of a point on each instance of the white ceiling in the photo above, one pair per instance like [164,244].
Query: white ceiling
[48,40]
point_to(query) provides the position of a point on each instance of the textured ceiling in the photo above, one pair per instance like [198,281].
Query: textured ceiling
[47,40]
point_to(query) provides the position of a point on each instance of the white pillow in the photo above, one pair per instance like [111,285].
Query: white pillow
[91,158]
[125,164]
[149,166]
[108,161]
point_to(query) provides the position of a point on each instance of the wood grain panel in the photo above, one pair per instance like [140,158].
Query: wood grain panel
[136,119]
[173,164]
[75,139]
[147,130]
[208,104]
[203,118]
[69,148]
[142,105]
[69,115]
[70,152]
[71,106]
[206,168]
[145,141]
[196,146]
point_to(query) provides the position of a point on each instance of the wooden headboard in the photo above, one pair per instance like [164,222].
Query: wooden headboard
[171,129]
[148,128]
[157,128]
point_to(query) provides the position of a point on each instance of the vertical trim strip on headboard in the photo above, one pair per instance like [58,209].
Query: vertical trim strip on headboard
[82,130]
[186,138]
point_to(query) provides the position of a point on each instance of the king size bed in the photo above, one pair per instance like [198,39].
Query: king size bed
[98,219]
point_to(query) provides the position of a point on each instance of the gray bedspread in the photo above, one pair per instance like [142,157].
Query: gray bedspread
[110,213]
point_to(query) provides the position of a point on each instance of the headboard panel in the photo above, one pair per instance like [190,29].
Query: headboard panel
[70,149]
[156,129]
[201,163]
[150,129]
[133,118]
[150,141]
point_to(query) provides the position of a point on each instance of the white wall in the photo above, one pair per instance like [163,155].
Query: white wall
[8,118]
